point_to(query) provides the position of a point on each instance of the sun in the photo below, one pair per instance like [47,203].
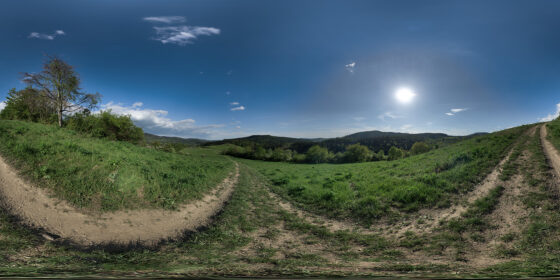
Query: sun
[404,95]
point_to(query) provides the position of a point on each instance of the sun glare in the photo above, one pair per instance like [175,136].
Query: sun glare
[404,95]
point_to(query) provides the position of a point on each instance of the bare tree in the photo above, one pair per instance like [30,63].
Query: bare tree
[60,84]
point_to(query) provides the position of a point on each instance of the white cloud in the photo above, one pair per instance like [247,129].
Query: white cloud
[37,35]
[386,115]
[552,116]
[234,103]
[458,110]
[238,127]
[2,105]
[182,35]
[166,19]
[240,108]
[157,122]
[350,66]
[454,111]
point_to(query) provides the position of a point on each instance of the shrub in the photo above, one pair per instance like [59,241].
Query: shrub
[106,125]
[357,153]
[317,154]
[395,153]
[419,148]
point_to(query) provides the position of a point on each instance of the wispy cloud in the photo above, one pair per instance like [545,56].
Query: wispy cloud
[2,105]
[386,115]
[166,19]
[551,117]
[234,103]
[454,111]
[239,108]
[157,122]
[37,35]
[350,66]
[359,119]
[181,35]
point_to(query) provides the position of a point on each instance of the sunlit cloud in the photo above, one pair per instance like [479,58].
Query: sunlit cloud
[42,36]
[454,111]
[551,117]
[2,105]
[234,103]
[157,122]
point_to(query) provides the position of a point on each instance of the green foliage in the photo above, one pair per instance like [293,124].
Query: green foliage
[106,125]
[28,105]
[553,129]
[108,175]
[419,148]
[395,153]
[357,153]
[317,154]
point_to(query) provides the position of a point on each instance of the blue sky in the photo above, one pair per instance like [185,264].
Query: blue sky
[222,69]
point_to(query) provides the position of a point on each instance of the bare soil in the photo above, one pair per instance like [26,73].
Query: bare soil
[36,208]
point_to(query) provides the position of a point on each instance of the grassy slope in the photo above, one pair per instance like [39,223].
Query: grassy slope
[365,191]
[108,175]
[554,132]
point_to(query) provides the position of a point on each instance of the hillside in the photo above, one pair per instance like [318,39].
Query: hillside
[484,205]
[151,138]
[374,140]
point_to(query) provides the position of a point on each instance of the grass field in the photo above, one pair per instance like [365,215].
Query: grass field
[104,175]
[366,191]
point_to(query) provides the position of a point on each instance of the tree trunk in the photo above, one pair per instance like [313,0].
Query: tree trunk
[59,117]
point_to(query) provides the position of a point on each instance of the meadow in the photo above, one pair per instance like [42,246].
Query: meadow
[368,191]
[104,175]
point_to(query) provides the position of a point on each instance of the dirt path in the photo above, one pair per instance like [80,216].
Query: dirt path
[147,227]
[551,153]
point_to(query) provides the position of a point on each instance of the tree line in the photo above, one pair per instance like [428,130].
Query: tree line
[317,154]
[54,96]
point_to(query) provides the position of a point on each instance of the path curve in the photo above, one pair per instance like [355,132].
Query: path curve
[147,227]
[551,153]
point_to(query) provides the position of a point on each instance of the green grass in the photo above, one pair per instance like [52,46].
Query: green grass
[366,191]
[104,175]
[553,129]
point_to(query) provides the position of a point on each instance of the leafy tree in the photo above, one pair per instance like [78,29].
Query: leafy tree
[317,154]
[280,154]
[395,153]
[357,153]
[60,85]
[379,155]
[27,105]
[419,148]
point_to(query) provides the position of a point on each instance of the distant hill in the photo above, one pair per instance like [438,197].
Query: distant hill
[375,140]
[150,138]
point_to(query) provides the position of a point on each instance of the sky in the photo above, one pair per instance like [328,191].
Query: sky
[223,69]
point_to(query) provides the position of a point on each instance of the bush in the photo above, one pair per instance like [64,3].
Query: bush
[419,148]
[28,105]
[106,125]
[395,153]
[357,153]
